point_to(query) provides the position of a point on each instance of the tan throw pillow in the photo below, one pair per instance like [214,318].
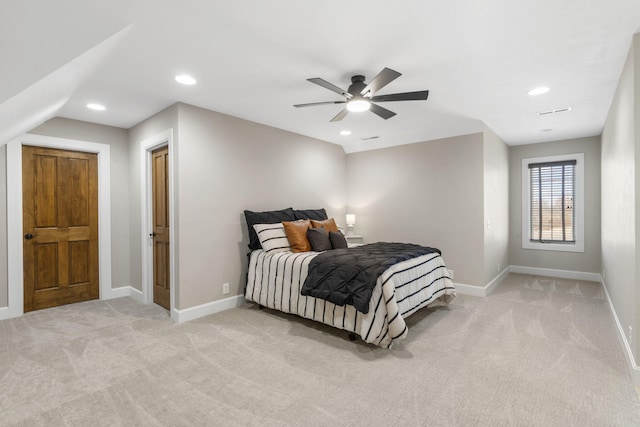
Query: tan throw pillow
[296,232]
[328,224]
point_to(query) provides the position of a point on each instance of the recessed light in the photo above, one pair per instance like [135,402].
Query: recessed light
[538,91]
[185,79]
[345,132]
[97,107]
[546,130]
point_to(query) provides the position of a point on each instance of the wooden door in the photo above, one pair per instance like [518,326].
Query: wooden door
[60,224]
[160,234]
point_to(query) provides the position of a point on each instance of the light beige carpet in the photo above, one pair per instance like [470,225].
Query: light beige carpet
[539,351]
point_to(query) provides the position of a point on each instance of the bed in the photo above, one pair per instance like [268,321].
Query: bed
[276,278]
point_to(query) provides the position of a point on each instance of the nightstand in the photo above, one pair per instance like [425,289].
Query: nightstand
[355,239]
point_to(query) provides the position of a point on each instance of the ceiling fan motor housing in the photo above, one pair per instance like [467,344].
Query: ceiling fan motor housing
[357,85]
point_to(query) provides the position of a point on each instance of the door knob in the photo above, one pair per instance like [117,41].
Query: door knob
[152,234]
[29,236]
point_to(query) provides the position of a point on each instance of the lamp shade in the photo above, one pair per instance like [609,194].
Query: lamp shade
[351,219]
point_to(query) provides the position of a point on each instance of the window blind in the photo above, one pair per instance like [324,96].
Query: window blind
[552,214]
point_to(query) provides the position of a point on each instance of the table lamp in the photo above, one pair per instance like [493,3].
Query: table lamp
[351,221]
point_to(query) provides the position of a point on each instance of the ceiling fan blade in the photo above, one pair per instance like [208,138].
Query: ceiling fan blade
[325,84]
[311,104]
[384,77]
[382,112]
[406,96]
[341,115]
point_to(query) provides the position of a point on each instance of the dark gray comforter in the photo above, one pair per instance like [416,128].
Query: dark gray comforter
[348,276]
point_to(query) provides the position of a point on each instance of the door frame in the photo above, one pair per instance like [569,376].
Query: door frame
[15,254]
[147,146]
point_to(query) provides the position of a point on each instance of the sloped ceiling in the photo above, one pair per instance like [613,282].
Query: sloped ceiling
[478,58]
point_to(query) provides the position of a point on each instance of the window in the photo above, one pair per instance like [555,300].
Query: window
[553,203]
[551,195]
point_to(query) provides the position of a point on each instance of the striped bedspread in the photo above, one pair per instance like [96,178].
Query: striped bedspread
[275,280]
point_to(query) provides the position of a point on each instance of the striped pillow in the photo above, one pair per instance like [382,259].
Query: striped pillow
[272,237]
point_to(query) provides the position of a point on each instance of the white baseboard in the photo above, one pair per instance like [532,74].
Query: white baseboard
[634,369]
[5,313]
[471,290]
[562,274]
[123,291]
[202,310]
[481,291]
[177,315]
[496,280]
[136,294]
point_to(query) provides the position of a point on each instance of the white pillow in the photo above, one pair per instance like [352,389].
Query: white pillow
[272,237]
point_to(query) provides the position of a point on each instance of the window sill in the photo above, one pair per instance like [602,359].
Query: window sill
[556,247]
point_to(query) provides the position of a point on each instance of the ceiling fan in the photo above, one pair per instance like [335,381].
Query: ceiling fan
[361,96]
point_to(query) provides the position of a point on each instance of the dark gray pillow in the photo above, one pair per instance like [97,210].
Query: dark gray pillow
[267,217]
[337,240]
[316,214]
[319,239]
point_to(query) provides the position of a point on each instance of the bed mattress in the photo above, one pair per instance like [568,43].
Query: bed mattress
[275,280]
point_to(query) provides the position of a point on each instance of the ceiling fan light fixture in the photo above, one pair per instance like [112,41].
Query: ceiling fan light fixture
[362,96]
[358,104]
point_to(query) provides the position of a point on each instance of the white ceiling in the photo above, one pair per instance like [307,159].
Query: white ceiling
[478,58]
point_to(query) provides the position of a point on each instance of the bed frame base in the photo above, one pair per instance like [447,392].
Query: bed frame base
[352,335]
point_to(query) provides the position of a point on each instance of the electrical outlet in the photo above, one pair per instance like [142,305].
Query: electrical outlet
[498,267]
[225,288]
[450,274]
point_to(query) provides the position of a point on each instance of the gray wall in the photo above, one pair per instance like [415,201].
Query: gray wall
[620,193]
[430,193]
[496,205]
[589,261]
[4,284]
[224,166]
[441,193]
[118,141]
